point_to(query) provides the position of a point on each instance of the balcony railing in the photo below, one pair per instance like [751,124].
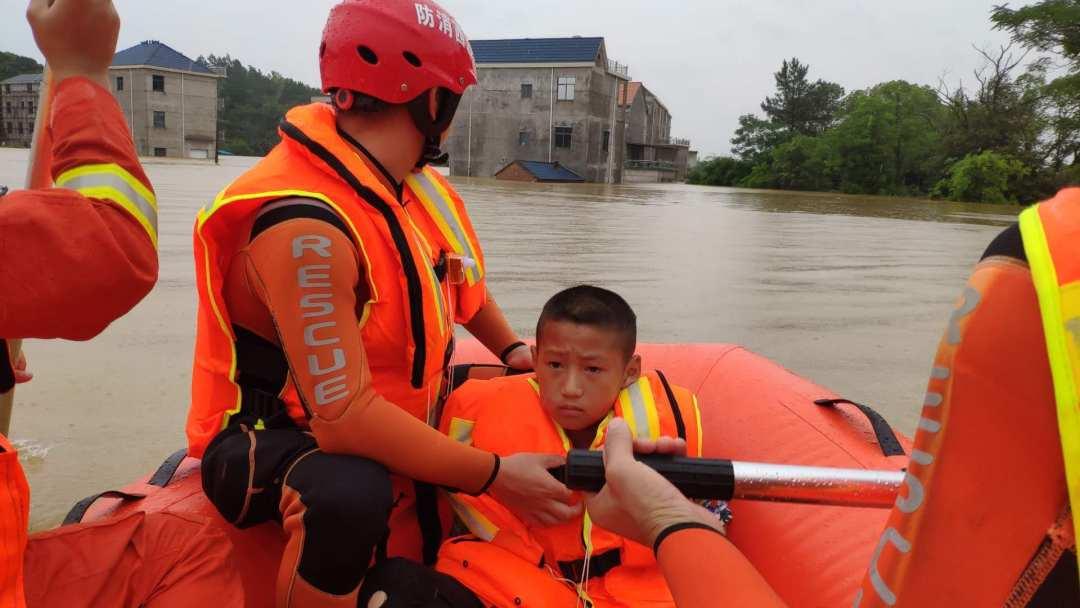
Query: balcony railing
[674,141]
[651,165]
[618,69]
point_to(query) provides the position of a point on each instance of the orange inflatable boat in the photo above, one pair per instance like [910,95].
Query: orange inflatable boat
[752,410]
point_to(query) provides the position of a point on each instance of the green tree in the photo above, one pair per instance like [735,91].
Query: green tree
[801,107]
[987,177]
[14,65]
[1053,27]
[253,103]
[720,171]
[800,164]
[755,138]
[888,140]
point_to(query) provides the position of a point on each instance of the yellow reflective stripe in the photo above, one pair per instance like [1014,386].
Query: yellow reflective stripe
[441,208]
[202,216]
[650,408]
[1063,361]
[536,385]
[461,430]
[586,537]
[626,408]
[700,431]
[601,429]
[114,183]
[562,435]
[639,409]
[222,201]
[477,523]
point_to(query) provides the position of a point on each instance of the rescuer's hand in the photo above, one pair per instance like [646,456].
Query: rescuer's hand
[526,488]
[19,367]
[520,358]
[77,37]
[637,502]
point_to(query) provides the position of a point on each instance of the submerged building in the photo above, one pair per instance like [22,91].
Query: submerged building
[551,100]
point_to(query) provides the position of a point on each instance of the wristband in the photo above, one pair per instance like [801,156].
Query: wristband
[509,349]
[494,474]
[668,531]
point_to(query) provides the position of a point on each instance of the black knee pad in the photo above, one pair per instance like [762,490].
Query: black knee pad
[347,504]
[243,496]
[408,584]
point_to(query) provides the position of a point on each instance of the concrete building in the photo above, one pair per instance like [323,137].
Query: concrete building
[170,100]
[18,109]
[652,154]
[548,100]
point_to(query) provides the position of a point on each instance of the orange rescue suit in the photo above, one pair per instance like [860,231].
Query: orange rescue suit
[983,518]
[361,312]
[77,257]
[507,564]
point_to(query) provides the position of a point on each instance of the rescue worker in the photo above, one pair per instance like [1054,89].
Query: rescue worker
[76,258]
[330,279]
[988,513]
[1001,405]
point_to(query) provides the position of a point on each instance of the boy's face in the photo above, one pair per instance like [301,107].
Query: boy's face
[580,370]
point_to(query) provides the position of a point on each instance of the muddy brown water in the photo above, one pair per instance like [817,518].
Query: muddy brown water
[851,292]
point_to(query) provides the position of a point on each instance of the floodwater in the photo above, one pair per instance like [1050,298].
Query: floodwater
[851,292]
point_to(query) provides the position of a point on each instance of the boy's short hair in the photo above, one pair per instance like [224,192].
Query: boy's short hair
[593,307]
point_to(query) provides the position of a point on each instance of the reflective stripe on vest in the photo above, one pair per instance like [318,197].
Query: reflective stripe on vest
[203,217]
[440,206]
[114,183]
[1060,307]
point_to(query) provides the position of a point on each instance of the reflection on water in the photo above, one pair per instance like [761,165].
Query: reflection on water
[852,292]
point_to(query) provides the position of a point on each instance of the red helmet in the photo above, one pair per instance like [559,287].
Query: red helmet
[394,50]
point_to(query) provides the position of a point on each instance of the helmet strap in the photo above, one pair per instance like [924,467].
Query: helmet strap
[433,128]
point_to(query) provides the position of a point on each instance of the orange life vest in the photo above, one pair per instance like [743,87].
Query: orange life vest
[984,519]
[14,516]
[407,326]
[546,566]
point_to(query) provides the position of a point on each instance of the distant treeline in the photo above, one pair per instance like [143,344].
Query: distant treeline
[1012,135]
[253,105]
[14,65]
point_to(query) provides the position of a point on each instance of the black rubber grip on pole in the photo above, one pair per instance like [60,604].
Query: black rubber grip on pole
[697,478]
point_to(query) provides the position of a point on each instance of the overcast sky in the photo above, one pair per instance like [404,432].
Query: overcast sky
[708,60]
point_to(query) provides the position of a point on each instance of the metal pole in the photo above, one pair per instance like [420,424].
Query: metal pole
[551,119]
[183,119]
[816,485]
[704,478]
[471,99]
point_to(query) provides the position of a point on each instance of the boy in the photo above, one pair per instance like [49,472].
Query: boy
[587,373]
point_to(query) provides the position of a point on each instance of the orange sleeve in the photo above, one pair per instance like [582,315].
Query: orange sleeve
[14,513]
[704,569]
[306,272]
[71,263]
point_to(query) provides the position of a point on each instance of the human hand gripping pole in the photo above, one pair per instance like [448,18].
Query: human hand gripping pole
[636,501]
[524,485]
[702,478]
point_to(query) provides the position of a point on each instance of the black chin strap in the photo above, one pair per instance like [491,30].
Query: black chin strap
[433,128]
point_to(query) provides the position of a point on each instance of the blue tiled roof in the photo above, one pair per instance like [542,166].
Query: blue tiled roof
[550,172]
[537,50]
[154,53]
[23,79]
